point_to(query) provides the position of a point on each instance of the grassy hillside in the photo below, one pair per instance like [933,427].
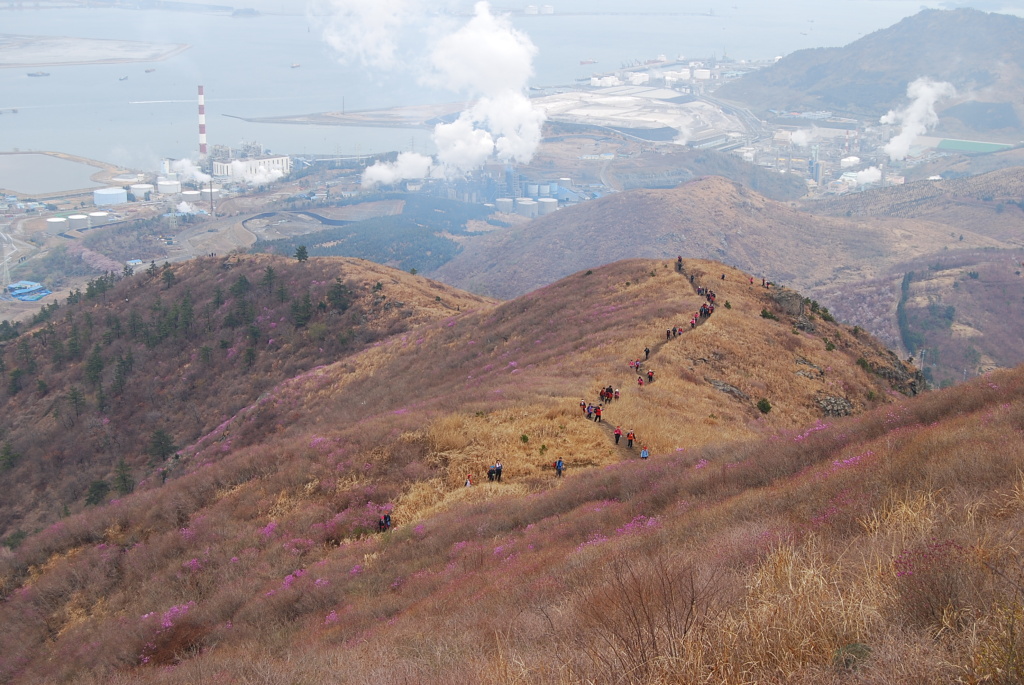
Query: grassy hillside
[961,308]
[260,539]
[178,349]
[849,252]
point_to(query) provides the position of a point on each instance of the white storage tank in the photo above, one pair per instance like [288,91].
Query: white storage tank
[544,189]
[532,189]
[702,74]
[98,218]
[168,187]
[526,207]
[78,221]
[140,190]
[207,192]
[109,196]
[547,205]
[56,224]
[504,204]
[191,196]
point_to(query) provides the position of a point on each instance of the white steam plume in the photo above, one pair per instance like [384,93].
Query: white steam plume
[917,117]
[870,175]
[408,165]
[240,171]
[485,58]
[185,208]
[189,171]
[364,31]
[804,136]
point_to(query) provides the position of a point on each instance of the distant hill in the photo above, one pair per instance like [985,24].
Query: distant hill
[767,534]
[979,53]
[707,218]
[962,308]
[850,252]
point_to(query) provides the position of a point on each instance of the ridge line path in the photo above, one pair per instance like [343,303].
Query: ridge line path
[609,427]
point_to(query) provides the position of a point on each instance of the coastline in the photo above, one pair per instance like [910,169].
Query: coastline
[46,51]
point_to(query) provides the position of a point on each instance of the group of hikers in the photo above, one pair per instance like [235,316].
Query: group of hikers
[594,412]
[608,394]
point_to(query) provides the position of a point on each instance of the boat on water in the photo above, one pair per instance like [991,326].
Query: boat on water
[587,61]
[296,65]
[123,78]
[38,73]
[150,71]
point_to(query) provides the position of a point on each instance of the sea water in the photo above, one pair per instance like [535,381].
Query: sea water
[246,67]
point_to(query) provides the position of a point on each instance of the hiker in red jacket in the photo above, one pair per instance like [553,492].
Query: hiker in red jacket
[630,437]
[617,433]
[650,375]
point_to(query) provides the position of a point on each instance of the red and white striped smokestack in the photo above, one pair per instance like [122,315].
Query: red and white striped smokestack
[202,123]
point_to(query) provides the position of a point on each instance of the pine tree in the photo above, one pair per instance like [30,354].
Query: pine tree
[301,254]
[161,445]
[123,478]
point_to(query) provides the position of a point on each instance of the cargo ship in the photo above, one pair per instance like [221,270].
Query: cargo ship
[38,73]
[587,61]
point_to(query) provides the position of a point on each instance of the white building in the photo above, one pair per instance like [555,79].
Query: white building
[261,169]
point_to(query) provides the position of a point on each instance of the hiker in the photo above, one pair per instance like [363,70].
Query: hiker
[490,473]
[643,452]
[679,263]
[497,471]
[387,521]
[469,479]
[647,353]
[640,382]
[583,406]
[723,277]
[616,393]
[668,334]
[597,413]
[650,375]
[630,437]
[380,525]
[617,433]
[559,465]
[691,279]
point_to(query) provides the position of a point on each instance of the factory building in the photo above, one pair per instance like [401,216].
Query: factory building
[254,167]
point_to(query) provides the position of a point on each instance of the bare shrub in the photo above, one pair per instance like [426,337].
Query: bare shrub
[633,618]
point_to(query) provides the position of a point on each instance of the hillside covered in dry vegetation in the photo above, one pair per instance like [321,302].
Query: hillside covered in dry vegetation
[248,550]
[850,253]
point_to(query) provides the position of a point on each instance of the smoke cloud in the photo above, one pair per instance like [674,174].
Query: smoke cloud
[240,171]
[189,171]
[917,117]
[870,175]
[409,165]
[805,136]
[485,59]
[364,31]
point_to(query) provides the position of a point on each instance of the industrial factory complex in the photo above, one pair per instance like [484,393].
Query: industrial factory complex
[638,116]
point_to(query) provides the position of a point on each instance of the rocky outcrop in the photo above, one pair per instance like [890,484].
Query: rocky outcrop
[834,406]
[789,301]
[728,389]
